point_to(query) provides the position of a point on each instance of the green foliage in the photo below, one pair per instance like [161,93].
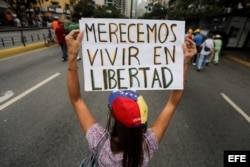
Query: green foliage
[192,8]
[201,8]
[156,11]
[107,12]
[86,8]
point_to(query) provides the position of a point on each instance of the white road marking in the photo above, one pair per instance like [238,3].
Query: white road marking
[6,96]
[237,108]
[28,91]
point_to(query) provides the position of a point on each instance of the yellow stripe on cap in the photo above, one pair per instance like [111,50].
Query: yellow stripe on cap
[143,109]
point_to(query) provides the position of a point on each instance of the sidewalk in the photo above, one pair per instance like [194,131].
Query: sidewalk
[32,41]
[239,56]
[20,49]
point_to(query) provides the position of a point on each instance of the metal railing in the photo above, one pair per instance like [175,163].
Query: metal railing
[23,36]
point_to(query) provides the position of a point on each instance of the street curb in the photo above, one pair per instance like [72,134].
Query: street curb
[235,59]
[17,50]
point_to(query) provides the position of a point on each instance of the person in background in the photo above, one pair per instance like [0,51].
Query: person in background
[17,21]
[198,39]
[60,35]
[9,17]
[217,49]
[189,34]
[55,23]
[207,50]
[67,22]
[130,142]
[74,26]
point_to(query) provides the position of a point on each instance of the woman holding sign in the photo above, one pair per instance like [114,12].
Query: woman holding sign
[130,143]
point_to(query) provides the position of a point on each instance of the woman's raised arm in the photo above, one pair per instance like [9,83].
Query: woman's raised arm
[85,117]
[161,123]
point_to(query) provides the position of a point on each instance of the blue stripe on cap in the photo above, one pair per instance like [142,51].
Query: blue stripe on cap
[125,93]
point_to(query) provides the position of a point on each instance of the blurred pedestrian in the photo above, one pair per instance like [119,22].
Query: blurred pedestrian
[127,141]
[67,22]
[74,26]
[55,23]
[17,21]
[60,35]
[207,50]
[189,34]
[198,39]
[217,49]
[9,17]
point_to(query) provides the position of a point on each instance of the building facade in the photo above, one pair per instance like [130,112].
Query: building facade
[56,8]
[123,6]
[49,8]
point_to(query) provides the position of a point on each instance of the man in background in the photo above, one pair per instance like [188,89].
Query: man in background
[55,23]
[67,22]
[60,35]
[198,39]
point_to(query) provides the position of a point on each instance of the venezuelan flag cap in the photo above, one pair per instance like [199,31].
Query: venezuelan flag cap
[129,108]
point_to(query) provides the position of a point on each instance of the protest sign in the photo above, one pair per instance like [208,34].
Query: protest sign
[132,54]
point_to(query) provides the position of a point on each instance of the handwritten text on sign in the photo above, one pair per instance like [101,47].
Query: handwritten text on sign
[132,54]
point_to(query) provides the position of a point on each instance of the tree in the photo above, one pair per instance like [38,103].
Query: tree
[156,11]
[84,8]
[87,8]
[201,8]
[107,12]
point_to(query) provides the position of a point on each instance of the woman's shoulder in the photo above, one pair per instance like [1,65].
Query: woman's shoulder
[151,138]
[95,134]
[96,130]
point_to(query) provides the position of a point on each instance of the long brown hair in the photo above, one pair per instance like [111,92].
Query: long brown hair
[130,141]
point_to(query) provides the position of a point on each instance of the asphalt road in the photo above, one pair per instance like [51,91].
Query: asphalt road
[38,126]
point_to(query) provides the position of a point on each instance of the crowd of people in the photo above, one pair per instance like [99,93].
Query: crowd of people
[208,47]
[8,18]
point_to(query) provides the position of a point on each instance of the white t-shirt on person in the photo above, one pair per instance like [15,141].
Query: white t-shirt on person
[208,43]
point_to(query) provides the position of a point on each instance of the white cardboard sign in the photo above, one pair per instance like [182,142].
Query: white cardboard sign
[132,54]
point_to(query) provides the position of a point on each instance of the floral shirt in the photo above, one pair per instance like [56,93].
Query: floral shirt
[106,156]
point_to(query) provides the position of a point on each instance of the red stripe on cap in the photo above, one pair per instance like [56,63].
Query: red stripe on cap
[127,111]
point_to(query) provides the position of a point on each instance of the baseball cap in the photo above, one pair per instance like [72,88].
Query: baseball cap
[217,36]
[129,108]
[197,30]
